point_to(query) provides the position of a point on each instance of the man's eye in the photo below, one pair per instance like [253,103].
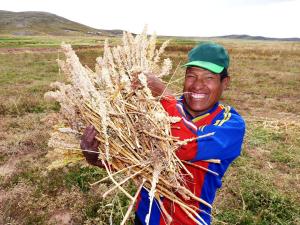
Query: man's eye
[190,76]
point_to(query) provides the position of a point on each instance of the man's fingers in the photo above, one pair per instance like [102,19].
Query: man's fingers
[92,136]
[88,140]
[89,134]
[95,145]
[94,132]
[88,131]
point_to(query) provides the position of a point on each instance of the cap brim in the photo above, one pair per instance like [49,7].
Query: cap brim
[205,65]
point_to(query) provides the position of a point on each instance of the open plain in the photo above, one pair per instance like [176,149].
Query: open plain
[261,188]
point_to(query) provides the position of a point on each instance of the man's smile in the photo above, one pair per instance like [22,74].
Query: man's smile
[198,96]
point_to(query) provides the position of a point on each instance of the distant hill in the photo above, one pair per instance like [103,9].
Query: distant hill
[259,38]
[43,23]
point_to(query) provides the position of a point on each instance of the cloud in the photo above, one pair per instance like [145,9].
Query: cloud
[254,2]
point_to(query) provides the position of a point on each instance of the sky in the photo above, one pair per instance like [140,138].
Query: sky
[202,18]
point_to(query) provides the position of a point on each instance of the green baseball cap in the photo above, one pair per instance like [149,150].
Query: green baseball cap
[209,56]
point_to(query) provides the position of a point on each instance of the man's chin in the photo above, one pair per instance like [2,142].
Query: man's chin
[197,105]
[195,111]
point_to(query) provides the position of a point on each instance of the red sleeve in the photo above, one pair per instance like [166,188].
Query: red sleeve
[189,150]
[169,104]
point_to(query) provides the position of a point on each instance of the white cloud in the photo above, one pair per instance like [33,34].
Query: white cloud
[245,3]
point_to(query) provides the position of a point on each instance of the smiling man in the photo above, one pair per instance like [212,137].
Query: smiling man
[203,87]
[201,113]
[202,90]
[206,78]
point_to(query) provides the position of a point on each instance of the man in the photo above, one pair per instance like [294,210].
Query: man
[205,80]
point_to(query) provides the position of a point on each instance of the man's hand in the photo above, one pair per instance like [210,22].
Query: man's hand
[89,145]
[157,87]
[155,84]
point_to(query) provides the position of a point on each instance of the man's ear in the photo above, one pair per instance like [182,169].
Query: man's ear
[225,82]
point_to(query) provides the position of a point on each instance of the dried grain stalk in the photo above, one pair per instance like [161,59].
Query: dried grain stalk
[134,130]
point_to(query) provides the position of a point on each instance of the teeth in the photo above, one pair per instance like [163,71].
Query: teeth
[198,96]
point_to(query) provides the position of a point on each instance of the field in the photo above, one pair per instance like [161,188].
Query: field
[262,187]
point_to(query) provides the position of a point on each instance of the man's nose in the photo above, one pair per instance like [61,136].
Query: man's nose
[198,84]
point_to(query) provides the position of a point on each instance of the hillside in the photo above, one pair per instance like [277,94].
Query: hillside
[258,38]
[43,23]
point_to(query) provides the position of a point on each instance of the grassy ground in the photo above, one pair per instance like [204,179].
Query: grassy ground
[261,187]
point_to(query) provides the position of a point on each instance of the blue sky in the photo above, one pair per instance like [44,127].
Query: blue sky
[271,18]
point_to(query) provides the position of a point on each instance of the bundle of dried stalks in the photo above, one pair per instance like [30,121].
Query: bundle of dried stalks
[134,130]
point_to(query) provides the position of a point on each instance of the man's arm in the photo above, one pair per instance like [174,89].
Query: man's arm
[224,144]
[157,87]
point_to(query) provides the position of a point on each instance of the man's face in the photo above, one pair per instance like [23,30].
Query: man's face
[202,89]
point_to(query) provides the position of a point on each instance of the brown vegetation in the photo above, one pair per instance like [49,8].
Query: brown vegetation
[262,187]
